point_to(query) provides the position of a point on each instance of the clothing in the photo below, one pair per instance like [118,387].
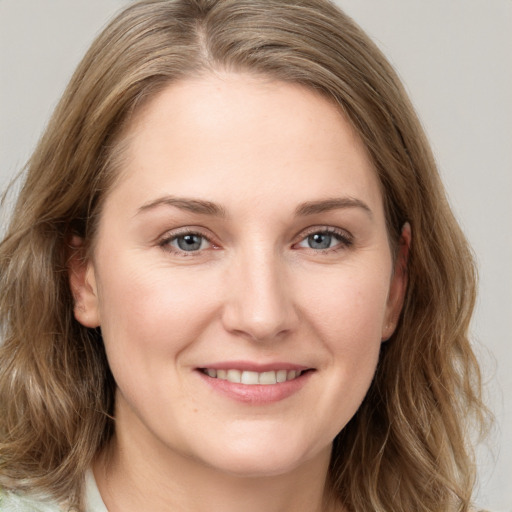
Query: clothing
[11,502]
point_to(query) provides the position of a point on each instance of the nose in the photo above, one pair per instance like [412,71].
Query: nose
[259,303]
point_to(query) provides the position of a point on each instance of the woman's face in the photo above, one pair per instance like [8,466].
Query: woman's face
[242,276]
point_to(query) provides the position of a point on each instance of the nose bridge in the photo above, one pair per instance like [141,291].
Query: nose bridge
[260,304]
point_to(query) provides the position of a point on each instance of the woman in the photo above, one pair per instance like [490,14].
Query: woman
[232,278]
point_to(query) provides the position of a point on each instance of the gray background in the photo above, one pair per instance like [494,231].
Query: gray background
[455,57]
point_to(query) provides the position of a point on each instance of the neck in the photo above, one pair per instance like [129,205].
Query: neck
[131,479]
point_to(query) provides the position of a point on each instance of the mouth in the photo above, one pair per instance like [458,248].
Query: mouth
[266,378]
[255,383]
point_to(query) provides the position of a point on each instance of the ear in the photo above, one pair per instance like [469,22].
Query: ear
[82,281]
[398,284]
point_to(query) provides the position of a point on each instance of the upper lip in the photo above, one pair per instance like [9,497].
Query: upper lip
[254,366]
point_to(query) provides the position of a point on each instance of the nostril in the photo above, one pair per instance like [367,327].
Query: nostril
[258,325]
[258,305]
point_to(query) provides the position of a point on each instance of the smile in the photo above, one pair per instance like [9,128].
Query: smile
[252,378]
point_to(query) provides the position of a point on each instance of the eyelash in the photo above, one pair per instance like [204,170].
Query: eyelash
[345,240]
[165,242]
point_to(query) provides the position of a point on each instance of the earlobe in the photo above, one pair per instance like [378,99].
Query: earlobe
[82,281]
[398,284]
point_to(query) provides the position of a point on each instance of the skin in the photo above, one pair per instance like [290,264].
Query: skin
[271,157]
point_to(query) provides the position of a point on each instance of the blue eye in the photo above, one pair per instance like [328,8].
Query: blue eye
[322,240]
[189,242]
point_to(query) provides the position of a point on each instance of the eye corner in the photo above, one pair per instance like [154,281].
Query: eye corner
[324,239]
[186,242]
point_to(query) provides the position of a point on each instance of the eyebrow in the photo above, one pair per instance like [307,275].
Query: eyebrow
[203,207]
[192,205]
[315,207]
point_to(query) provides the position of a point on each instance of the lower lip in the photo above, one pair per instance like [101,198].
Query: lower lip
[257,393]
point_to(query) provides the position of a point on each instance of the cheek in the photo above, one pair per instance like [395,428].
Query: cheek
[347,316]
[149,311]
[349,306]
[149,320]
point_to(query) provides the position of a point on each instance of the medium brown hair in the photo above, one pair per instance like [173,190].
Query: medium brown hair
[406,449]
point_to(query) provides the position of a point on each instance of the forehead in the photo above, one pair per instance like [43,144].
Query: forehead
[227,134]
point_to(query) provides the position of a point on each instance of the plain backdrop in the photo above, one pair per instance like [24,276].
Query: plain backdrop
[455,57]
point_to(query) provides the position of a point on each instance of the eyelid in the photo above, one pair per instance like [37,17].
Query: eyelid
[164,241]
[346,239]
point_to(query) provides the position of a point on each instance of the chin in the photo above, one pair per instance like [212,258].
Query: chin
[257,468]
[262,459]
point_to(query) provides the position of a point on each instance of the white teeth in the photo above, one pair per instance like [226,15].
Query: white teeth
[234,376]
[251,378]
[267,378]
[281,375]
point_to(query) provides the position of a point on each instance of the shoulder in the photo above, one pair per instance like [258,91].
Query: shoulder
[13,502]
